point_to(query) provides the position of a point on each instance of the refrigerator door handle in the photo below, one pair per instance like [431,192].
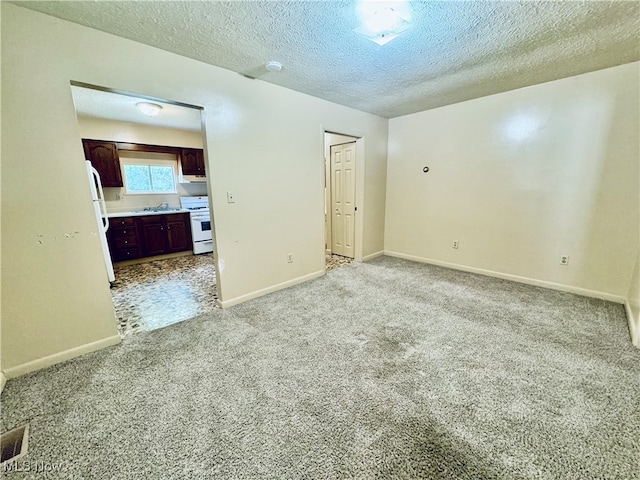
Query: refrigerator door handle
[103,205]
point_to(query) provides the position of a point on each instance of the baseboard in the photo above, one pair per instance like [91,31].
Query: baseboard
[265,291]
[634,325]
[3,381]
[371,256]
[60,357]
[514,278]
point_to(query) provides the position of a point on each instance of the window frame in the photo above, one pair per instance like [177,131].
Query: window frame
[150,163]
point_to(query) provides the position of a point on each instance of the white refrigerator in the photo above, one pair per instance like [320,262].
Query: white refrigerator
[100,209]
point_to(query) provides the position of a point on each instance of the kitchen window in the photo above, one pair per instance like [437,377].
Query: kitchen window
[149,176]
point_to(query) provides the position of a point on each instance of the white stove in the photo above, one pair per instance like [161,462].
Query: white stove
[200,223]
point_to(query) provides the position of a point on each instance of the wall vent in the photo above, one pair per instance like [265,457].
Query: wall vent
[14,443]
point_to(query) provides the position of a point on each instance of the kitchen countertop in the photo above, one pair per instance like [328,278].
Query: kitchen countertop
[140,213]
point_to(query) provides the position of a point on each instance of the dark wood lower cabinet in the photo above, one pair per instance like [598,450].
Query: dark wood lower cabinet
[178,233]
[123,239]
[148,236]
[154,235]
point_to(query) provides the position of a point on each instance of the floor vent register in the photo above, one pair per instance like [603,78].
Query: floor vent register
[14,444]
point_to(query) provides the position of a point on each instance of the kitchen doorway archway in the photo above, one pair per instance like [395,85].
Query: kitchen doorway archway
[153,250]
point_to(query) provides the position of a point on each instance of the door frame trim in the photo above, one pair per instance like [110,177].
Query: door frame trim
[360,171]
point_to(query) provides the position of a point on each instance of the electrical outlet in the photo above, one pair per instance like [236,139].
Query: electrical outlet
[118,196]
[290,257]
[231,197]
[454,244]
[564,260]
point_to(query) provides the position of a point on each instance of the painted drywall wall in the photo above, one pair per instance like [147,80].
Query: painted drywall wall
[104,129]
[633,304]
[521,178]
[264,143]
[117,199]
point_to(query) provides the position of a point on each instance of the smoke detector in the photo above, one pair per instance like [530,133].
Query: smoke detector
[274,66]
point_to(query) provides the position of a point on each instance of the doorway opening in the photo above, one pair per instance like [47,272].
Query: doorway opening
[341,199]
[147,173]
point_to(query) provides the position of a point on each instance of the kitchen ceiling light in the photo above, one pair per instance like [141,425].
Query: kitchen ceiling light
[148,108]
[274,66]
[383,26]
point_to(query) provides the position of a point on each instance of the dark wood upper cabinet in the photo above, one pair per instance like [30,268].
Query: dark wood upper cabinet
[192,160]
[104,158]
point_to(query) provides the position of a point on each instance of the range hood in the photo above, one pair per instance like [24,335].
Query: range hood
[192,178]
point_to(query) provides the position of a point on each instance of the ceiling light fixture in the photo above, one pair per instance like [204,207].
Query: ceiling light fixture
[383,25]
[148,108]
[273,66]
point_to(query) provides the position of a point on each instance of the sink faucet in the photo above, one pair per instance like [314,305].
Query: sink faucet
[163,206]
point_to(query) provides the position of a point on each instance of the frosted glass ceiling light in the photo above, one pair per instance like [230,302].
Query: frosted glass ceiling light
[148,108]
[383,25]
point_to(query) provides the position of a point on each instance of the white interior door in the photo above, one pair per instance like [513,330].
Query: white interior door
[343,195]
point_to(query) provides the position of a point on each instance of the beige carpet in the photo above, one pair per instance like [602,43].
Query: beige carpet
[381,370]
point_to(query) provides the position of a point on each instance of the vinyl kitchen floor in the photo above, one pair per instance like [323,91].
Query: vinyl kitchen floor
[337,261]
[153,295]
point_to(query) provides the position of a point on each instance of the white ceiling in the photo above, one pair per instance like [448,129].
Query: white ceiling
[114,106]
[455,50]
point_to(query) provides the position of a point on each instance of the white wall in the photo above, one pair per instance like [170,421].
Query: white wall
[521,178]
[104,129]
[117,199]
[633,304]
[264,143]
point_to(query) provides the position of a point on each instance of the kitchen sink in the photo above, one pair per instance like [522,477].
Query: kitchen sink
[157,210]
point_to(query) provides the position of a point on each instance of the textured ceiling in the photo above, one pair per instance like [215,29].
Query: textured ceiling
[454,51]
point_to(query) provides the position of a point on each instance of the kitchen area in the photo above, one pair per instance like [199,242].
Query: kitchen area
[146,170]
[133,178]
